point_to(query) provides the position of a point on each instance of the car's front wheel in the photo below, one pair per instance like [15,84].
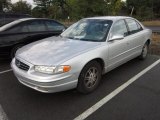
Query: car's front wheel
[144,52]
[89,77]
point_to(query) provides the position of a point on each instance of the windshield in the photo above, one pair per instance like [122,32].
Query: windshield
[88,30]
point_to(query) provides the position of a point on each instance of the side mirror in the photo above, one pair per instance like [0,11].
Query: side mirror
[116,37]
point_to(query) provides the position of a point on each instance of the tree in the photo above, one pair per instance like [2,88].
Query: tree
[142,8]
[76,9]
[42,7]
[36,12]
[155,7]
[86,8]
[73,11]
[4,4]
[21,7]
[62,4]
[116,6]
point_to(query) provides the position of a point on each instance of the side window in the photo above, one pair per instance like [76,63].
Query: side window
[139,26]
[36,26]
[119,28]
[54,26]
[24,28]
[133,26]
[14,29]
[18,29]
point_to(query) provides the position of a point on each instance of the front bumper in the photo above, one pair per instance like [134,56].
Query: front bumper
[43,82]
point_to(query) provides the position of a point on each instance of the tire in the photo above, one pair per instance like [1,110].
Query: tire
[89,78]
[14,49]
[144,52]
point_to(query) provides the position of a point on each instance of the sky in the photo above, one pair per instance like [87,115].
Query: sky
[29,1]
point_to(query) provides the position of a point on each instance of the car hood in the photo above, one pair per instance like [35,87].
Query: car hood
[54,50]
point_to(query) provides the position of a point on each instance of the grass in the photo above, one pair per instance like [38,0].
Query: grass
[151,23]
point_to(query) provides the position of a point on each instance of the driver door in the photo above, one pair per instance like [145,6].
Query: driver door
[117,48]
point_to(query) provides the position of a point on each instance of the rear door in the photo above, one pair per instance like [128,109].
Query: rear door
[37,30]
[14,35]
[136,37]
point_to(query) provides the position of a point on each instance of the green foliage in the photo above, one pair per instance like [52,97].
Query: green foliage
[156,8]
[21,7]
[42,7]
[57,9]
[77,9]
[88,8]
[4,4]
[116,6]
[62,8]
[36,12]
[144,9]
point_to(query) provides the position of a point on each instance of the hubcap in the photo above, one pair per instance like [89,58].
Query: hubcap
[144,52]
[91,77]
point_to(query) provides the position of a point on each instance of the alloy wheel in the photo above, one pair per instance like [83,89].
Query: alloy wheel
[91,77]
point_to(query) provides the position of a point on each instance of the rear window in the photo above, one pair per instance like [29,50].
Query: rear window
[54,26]
[133,26]
[36,26]
[20,28]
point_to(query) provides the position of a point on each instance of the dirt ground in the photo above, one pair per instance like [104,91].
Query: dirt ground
[155,46]
[151,23]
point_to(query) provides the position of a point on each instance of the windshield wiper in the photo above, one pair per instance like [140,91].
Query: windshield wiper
[66,37]
[69,37]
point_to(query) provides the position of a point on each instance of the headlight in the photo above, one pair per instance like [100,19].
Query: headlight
[52,70]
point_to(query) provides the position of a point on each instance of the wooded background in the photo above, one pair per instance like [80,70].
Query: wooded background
[77,9]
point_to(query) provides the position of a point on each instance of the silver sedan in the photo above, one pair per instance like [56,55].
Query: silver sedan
[81,54]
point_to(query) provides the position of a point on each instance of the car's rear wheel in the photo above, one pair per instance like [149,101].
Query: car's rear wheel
[89,77]
[144,52]
[14,49]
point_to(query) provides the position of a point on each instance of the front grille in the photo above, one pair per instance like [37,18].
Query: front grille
[22,65]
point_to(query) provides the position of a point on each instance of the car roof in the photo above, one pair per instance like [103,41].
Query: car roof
[113,18]
[19,21]
[26,19]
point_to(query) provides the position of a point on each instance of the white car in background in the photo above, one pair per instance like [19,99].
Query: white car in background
[81,54]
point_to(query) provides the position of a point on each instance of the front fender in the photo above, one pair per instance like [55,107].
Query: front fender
[77,63]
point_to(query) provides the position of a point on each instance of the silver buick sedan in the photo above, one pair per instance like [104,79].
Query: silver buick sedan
[81,54]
